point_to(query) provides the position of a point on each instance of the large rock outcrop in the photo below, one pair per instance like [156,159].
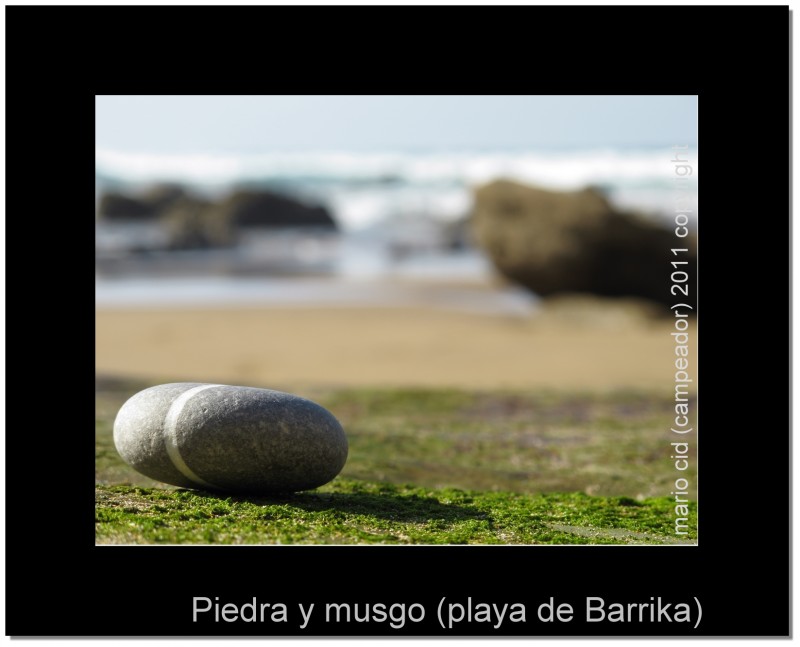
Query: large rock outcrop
[567,242]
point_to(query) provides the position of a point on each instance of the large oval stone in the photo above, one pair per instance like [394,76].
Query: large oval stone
[230,438]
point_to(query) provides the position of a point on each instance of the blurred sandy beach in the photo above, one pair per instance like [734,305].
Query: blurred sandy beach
[567,344]
[370,255]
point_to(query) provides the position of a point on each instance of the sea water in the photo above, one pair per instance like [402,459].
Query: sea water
[382,202]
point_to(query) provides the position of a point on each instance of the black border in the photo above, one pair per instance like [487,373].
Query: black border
[736,59]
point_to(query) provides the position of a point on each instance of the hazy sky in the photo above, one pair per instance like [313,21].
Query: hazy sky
[262,124]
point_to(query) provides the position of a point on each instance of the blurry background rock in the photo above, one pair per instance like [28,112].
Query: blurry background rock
[253,208]
[136,230]
[151,203]
[566,242]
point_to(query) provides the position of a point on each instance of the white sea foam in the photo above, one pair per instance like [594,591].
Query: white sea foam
[562,168]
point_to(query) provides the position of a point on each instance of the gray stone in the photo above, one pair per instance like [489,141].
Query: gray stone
[230,438]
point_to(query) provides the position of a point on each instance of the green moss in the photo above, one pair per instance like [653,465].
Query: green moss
[616,444]
[354,512]
[486,467]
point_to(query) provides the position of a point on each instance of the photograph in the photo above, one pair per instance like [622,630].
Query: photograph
[394,325]
[396,320]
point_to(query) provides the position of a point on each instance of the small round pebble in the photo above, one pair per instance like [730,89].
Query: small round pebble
[230,438]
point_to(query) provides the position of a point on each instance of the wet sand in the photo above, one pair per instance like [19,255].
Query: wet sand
[575,348]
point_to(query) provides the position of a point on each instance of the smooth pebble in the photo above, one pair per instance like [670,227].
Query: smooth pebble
[230,438]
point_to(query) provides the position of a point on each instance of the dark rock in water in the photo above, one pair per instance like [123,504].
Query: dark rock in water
[120,206]
[559,242]
[230,438]
[251,208]
[117,205]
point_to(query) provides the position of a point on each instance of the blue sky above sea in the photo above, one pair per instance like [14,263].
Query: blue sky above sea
[218,125]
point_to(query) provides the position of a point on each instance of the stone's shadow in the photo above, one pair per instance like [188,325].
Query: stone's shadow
[390,506]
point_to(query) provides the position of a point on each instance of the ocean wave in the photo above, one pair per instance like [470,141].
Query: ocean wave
[365,188]
[565,168]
